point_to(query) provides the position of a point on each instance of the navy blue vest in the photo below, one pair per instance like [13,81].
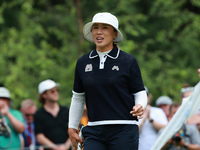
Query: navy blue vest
[108,91]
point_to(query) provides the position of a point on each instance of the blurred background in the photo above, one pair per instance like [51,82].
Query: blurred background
[42,39]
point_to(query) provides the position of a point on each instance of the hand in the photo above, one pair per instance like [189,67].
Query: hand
[181,143]
[62,147]
[137,111]
[74,137]
[4,109]
[199,72]
[41,148]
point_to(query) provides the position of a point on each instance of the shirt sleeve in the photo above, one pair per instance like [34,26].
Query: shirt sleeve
[136,83]
[76,109]
[141,98]
[194,134]
[158,115]
[78,84]
[38,124]
[19,116]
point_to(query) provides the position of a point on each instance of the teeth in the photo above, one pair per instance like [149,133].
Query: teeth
[99,38]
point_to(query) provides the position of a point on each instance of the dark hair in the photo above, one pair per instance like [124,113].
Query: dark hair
[41,99]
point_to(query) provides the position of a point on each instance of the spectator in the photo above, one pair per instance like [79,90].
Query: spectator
[84,119]
[51,120]
[28,109]
[11,122]
[154,120]
[164,102]
[195,119]
[108,80]
[186,91]
[186,138]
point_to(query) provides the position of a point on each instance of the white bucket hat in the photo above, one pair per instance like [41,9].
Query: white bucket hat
[4,92]
[106,18]
[46,85]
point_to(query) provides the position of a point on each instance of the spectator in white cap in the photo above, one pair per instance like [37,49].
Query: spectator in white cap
[110,82]
[11,122]
[164,102]
[51,120]
[154,119]
[186,91]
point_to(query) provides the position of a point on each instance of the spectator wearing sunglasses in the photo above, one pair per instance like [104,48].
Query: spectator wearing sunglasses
[28,109]
[51,120]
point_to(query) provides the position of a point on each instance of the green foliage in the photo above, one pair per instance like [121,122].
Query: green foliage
[41,39]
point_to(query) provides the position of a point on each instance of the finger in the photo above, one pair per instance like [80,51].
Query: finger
[79,140]
[140,117]
[74,143]
[137,111]
[137,107]
[137,114]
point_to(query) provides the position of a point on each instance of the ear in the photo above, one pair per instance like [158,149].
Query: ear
[115,34]
[44,95]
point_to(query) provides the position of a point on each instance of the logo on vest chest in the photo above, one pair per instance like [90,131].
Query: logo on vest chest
[88,68]
[115,68]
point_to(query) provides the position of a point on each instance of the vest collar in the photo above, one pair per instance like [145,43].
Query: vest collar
[114,53]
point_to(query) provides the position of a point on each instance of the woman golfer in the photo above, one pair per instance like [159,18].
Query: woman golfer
[109,81]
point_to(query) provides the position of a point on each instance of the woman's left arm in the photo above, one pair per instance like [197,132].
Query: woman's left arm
[140,104]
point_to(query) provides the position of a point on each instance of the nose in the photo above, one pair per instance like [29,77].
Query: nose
[99,31]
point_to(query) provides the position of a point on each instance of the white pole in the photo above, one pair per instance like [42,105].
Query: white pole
[189,107]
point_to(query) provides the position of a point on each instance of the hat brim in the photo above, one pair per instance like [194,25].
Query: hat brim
[50,87]
[88,34]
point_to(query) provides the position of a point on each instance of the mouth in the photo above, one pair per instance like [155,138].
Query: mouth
[99,39]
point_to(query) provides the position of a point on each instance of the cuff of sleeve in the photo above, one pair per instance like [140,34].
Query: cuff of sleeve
[141,98]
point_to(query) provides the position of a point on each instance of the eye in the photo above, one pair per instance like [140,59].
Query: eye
[104,27]
[95,27]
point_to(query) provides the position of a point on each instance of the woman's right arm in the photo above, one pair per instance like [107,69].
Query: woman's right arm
[75,114]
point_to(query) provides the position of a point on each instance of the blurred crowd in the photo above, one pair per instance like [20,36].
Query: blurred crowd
[156,119]
[31,128]
[46,127]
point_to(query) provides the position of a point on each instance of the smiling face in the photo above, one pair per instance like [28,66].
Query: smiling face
[103,36]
